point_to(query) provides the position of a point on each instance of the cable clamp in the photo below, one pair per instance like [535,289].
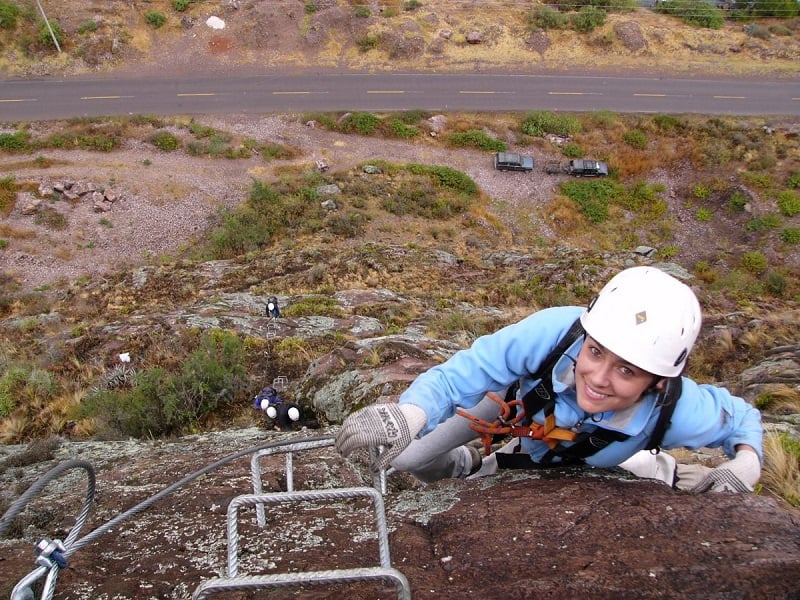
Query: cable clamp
[49,552]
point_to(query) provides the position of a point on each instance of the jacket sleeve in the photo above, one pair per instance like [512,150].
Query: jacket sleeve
[711,416]
[492,363]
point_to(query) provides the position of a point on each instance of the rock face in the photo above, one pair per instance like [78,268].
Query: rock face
[521,534]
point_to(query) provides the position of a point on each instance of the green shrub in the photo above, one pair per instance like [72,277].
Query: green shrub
[87,26]
[99,142]
[754,262]
[362,122]
[737,202]
[8,15]
[572,150]
[791,235]
[403,131]
[155,19]
[546,17]
[691,12]
[794,180]
[475,138]
[166,403]
[704,215]
[701,191]
[587,19]
[538,123]
[447,177]
[411,5]
[367,42]
[18,141]
[789,203]
[635,138]
[310,8]
[775,284]
[593,197]
[668,123]
[181,5]
[783,9]
[165,141]
[763,223]
[362,11]
[45,35]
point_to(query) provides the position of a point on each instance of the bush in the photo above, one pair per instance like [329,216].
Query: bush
[8,15]
[572,151]
[362,122]
[635,138]
[775,283]
[163,403]
[593,197]
[45,35]
[763,223]
[367,42]
[181,5]
[587,19]
[754,262]
[546,17]
[155,19]
[691,12]
[15,142]
[791,235]
[789,203]
[475,138]
[538,123]
[794,180]
[704,215]
[165,141]
[782,9]
[402,131]
[362,11]
[447,177]
[737,201]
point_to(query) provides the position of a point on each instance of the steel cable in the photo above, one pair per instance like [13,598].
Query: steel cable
[22,589]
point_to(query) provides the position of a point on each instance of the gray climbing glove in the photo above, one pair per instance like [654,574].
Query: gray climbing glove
[389,426]
[737,475]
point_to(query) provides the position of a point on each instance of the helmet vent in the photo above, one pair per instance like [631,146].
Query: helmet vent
[681,357]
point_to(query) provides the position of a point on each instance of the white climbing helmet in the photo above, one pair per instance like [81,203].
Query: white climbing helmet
[646,317]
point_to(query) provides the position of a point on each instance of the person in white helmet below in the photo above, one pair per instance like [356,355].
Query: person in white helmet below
[611,381]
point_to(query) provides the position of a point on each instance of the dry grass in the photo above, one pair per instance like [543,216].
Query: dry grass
[781,471]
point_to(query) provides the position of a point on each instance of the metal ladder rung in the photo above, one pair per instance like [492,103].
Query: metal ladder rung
[253,582]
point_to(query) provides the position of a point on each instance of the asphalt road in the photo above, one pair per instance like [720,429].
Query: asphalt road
[43,99]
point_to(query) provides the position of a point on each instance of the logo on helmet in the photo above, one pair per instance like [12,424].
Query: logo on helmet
[641,317]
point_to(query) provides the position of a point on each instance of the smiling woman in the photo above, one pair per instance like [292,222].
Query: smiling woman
[597,386]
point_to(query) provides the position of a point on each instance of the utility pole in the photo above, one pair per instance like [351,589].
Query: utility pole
[50,29]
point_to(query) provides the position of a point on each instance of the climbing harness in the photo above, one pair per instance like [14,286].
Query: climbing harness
[504,425]
[516,418]
[53,555]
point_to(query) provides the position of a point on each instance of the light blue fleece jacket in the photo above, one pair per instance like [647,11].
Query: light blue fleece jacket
[705,415]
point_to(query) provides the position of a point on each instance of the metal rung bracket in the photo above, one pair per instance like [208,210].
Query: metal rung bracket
[234,582]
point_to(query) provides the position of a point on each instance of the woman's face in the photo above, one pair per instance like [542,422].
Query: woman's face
[606,382]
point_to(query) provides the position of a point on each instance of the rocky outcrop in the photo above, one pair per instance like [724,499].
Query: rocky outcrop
[520,534]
